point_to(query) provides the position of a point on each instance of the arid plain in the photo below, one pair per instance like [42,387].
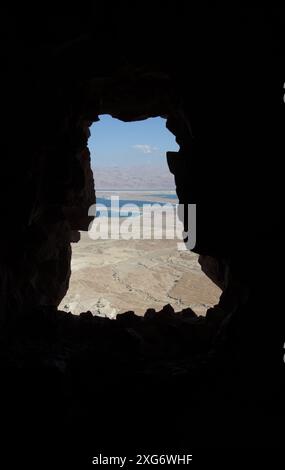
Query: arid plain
[114,276]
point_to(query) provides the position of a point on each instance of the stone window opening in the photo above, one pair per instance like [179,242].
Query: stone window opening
[110,277]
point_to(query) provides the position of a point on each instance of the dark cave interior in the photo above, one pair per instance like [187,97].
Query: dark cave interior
[173,380]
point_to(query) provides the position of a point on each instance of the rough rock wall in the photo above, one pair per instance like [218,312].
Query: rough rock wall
[46,191]
[218,77]
[221,71]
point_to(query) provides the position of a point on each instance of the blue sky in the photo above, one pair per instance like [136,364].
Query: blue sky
[117,143]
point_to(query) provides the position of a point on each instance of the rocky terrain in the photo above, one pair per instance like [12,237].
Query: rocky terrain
[113,276]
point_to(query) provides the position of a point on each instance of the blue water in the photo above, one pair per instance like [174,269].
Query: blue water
[124,213]
[122,202]
[167,196]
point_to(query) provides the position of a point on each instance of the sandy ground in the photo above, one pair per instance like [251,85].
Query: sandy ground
[113,276]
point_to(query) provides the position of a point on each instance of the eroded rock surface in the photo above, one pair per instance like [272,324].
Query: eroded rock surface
[111,276]
[216,74]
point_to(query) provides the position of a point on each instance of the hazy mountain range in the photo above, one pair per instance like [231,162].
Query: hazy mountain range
[142,177]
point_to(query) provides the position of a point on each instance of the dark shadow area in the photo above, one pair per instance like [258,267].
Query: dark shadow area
[164,382]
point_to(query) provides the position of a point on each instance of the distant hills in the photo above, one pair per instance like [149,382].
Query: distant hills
[141,177]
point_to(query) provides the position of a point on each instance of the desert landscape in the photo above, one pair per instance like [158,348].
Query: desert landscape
[134,177]
[110,277]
